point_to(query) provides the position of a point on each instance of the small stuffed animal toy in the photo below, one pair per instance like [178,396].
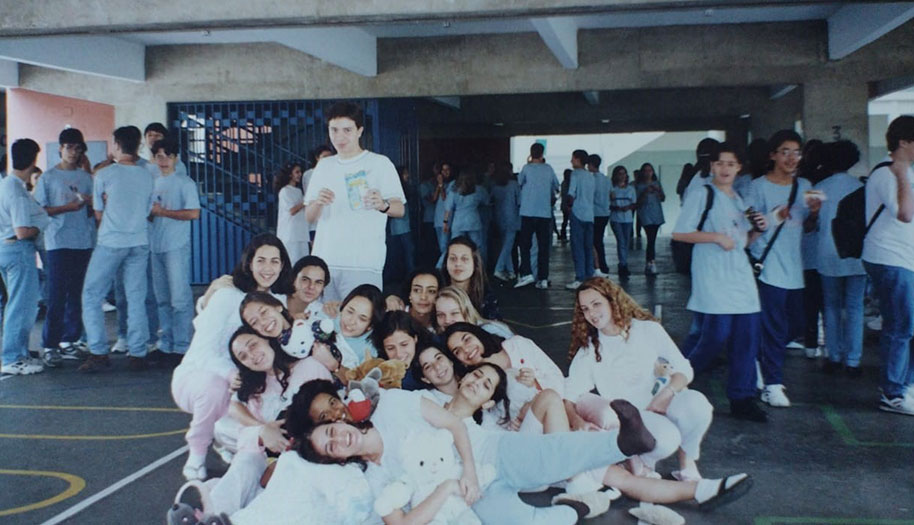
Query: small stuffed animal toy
[392,371]
[363,396]
[662,371]
[303,335]
[428,459]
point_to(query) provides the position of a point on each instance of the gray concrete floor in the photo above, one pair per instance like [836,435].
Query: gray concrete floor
[831,459]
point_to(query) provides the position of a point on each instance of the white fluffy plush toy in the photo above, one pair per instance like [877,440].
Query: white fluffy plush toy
[429,459]
[300,339]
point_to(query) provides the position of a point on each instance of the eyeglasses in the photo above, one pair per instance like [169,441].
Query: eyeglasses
[790,153]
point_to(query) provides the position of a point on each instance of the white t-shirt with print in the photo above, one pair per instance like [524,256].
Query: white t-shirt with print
[349,236]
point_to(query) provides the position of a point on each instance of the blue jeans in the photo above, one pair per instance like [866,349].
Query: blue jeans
[66,271]
[105,264]
[581,248]
[623,233]
[894,286]
[443,238]
[504,262]
[174,299]
[844,339]
[17,266]
[782,309]
[525,461]
[599,232]
[739,334]
[152,312]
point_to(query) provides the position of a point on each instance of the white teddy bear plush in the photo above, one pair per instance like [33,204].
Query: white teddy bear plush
[304,334]
[428,459]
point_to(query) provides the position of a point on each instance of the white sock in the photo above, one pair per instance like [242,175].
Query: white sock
[708,488]
[195,460]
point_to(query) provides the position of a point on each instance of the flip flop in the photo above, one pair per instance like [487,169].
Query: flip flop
[729,489]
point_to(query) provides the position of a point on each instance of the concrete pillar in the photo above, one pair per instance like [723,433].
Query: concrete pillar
[780,113]
[837,109]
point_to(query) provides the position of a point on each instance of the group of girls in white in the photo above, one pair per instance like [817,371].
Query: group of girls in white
[267,371]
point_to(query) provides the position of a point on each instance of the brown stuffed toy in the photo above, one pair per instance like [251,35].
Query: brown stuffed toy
[392,371]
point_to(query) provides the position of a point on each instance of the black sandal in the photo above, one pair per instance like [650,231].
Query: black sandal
[730,489]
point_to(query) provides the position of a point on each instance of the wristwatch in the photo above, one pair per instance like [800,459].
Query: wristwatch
[386,207]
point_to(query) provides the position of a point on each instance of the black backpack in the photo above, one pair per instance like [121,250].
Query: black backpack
[682,251]
[849,226]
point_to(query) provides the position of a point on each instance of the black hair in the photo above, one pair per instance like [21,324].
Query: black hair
[758,158]
[25,151]
[840,156]
[581,155]
[311,260]
[168,145]
[655,177]
[307,451]
[374,296]
[396,321]
[263,298]
[157,127]
[491,343]
[703,153]
[782,136]
[416,367]
[244,280]
[594,160]
[499,393]
[408,283]
[726,147]
[298,414]
[617,170]
[254,383]
[128,138]
[349,110]
[284,175]
[536,150]
[312,157]
[902,128]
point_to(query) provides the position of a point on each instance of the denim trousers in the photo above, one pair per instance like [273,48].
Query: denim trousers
[504,262]
[599,242]
[581,248]
[20,274]
[174,299]
[844,338]
[623,233]
[739,334]
[105,264]
[152,312]
[894,287]
[66,271]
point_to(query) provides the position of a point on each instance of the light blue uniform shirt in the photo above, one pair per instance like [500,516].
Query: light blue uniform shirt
[835,188]
[622,197]
[581,188]
[741,184]
[357,344]
[538,184]
[426,190]
[601,186]
[72,230]
[650,212]
[18,209]
[130,193]
[172,192]
[722,281]
[784,264]
[506,200]
[464,210]
[441,204]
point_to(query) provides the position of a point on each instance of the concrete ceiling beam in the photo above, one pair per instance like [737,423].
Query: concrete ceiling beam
[350,48]
[856,25]
[9,74]
[561,37]
[93,55]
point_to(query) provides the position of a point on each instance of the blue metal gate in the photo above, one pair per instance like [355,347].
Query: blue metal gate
[234,149]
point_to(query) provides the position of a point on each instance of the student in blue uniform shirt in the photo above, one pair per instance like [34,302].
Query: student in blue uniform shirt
[462,213]
[580,193]
[622,203]
[65,192]
[122,196]
[724,300]
[21,220]
[781,281]
[600,212]
[176,203]
[538,186]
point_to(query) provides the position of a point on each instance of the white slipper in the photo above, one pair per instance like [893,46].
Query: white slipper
[656,515]
[728,489]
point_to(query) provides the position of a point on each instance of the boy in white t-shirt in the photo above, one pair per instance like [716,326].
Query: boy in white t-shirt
[888,256]
[350,196]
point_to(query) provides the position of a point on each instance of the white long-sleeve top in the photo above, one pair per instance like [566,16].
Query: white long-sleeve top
[525,354]
[626,370]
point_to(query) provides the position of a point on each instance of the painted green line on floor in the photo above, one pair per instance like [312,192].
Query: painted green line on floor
[774,520]
[837,422]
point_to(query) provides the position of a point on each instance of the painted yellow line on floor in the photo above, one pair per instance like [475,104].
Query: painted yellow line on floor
[525,325]
[76,484]
[93,438]
[115,409]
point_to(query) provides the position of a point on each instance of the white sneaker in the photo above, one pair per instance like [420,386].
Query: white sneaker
[898,405]
[51,357]
[598,273]
[812,353]
[795,345]
[759,381]
[875,324]
[22,367]
[542,285]
[191,472]
[108,307]
[573,285]
[120,346]
[774,395]
[524,280]
[500,275]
